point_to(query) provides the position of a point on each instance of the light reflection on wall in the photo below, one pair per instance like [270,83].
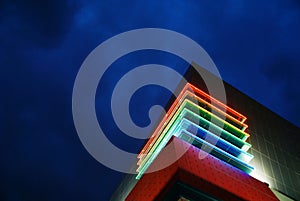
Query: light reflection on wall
[261,172]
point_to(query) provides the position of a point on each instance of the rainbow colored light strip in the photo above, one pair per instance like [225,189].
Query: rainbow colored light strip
[199,119]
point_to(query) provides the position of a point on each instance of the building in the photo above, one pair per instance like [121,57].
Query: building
[254,156]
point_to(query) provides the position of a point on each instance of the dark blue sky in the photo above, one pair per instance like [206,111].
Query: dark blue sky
[255,45]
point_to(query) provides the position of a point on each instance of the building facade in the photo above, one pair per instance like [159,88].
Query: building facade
[237,151]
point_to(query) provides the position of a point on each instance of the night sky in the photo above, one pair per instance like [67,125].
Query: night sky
[255,45]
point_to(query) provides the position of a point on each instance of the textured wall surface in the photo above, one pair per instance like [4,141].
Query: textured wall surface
[209,174]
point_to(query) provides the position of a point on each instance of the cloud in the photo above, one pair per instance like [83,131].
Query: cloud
[43,23]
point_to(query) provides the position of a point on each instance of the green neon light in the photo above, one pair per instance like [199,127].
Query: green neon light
[216,120]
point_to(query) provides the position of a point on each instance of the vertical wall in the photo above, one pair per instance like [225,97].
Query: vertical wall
[275,141]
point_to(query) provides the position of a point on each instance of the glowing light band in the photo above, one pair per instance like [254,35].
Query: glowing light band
[185,93]
[184,111]
[176,128]
[190,117]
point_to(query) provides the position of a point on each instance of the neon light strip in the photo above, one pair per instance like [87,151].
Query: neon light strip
[219,142]
[215,151]
[172,117]
[197,120]
[222,106]
[171,112]
[156,149]
[167,133]
[216,120]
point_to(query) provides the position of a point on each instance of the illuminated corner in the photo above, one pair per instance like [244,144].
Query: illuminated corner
[215,132]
